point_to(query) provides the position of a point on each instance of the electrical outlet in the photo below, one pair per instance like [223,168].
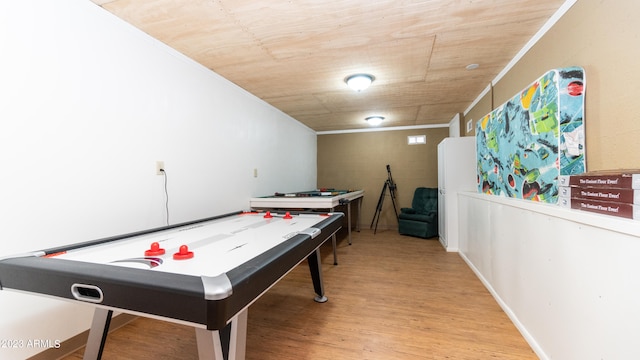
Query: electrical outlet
[255,172]
[159,167]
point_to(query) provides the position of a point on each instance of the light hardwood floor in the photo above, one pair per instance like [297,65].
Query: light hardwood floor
[390,297]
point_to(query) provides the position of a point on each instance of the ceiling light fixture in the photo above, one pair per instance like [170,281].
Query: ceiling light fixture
[374,120]
[359,82]
[472,66]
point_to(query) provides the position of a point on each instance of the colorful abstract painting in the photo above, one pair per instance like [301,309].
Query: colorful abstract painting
[524,144]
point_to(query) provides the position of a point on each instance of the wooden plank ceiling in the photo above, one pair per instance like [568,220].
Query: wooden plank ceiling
[295,55]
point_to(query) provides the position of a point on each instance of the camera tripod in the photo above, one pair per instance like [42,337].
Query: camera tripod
[388,184]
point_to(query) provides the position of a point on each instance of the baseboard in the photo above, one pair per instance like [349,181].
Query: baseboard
[447,248]
[74,343]
[507,310]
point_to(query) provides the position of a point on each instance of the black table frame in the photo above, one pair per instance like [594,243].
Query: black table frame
[215,306]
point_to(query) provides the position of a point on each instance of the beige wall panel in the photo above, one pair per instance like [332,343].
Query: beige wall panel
[603,37]
[358,161]
[482,108]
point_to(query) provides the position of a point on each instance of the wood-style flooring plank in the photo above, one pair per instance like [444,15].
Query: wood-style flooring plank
[390,297]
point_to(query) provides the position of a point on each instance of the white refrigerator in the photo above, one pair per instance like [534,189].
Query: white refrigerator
[456,172]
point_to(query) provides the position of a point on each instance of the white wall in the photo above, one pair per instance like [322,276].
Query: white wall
[454,126]
[87,106]
[568,279]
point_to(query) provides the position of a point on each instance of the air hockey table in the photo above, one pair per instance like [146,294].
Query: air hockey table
[325,199]
[203,273]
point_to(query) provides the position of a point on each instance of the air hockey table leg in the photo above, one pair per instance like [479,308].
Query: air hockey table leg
[359,216]
[335,250]
[227,344]
[334,242]
[315,267]
[349,220]
[347,203]
[97,334]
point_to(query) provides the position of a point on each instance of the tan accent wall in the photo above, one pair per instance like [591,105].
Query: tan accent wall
[602,36]
[358,161]
[482,108]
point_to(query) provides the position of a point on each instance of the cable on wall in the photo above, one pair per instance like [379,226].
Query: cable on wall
[166,193]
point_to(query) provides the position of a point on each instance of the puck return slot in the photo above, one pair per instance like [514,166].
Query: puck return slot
[90,293]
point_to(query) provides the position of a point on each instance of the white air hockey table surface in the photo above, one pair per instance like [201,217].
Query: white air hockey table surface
[204,273]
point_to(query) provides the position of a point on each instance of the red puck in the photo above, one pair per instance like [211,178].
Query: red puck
[155,250]
[183,253]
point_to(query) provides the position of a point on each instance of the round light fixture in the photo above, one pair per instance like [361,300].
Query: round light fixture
[374,120]
[359,82]
[472,66]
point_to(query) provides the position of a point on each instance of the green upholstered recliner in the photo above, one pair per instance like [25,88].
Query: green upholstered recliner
[421,219]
